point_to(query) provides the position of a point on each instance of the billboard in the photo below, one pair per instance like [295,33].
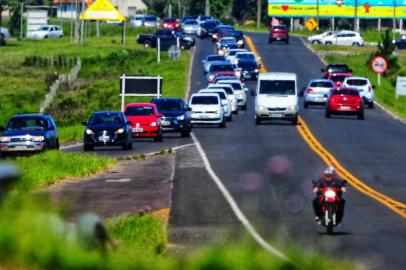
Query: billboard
[365,9]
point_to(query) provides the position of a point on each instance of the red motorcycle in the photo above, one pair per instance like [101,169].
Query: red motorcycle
[330,202]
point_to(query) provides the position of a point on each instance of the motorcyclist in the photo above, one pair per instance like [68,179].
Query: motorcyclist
[329,179]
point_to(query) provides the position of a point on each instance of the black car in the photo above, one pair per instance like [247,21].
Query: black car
[176,115]
[107,129]
[249,68]
[220,28]
[207,28]
[400,43]
[167,37]
[29,133]
[239,36]
[335,68]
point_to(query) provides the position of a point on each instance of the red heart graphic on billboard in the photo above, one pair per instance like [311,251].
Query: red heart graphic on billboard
[284,7]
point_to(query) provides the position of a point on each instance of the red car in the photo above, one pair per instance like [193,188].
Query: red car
[345,101]
[279,33]
[171,23]
[338,78]
[145,120]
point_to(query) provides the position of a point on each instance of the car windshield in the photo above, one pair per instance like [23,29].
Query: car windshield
[245,56]
[204,100]
[280,27]
[139,111]
[357,82]
[228,89]
[247,65]
[349,92]
[190,22]
[322,84]
[168,105]
[234,85]
[218,68]
[277,87]
[150,18]
[232,53]
[27,123]
[338,78]
[337,69]
[216,58]
[170,20]
[108,118]
[221,94]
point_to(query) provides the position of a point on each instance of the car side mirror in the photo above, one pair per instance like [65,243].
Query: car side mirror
[188,109]
[160,115]
[84,123]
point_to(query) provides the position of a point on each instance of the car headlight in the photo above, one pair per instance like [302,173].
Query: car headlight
[89,131]
[214,36]
[153,124]
[38,138]
[218,111]
[119,131]
[181,117]
[5,139]
[240,42]
[262,108]
[241,96]
[256,70]
[238,73]
[292,108]
[188,38]
[211,77]
[221,52]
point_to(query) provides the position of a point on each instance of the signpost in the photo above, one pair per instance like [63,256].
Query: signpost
[139,86]
[379,65]
[311,24]
[400,87]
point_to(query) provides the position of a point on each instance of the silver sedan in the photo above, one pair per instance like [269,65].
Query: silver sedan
[316,90]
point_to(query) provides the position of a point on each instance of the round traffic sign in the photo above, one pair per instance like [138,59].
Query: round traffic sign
[379,65]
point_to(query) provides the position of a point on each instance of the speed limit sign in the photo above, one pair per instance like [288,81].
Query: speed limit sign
[379,65]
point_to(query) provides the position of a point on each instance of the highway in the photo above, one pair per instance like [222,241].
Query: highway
[268,170]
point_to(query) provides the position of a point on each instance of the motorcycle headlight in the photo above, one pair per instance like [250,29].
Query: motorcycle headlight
[5,139]
[38,138]
[119,131]
[89,131]
[330,194]
[153,124]
[181,117]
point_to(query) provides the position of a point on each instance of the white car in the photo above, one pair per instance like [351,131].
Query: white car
[4,32]
[230,93]
[231,54]
[239,90]
[225,101]
[345,38]
[365,88]
[320,39]
[190,27]
[47,31]
[316,92]
[207,109]
[276,97]
[137,20]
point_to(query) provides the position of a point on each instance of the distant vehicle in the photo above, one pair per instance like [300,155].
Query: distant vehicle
[145,120]
[276,97]
[224,67]
[365,88]
[245,55]
[46,31]
[190,27]
[316,92]
[210,59]
[171,23]
[239,90]
[185,18]
[335,68]
[279,33]
[176,115]
[400,43]
[151,21]
[4,32]
[249,68]
[230,94]
[225,44]
[320,39]
[207,109]
[218,29]
[29,133]
[338,78]
[202,19]
[225,101]
[345,38]
[165,35]
[137,20]
[239,36]
[107,129]
[345,101]
[206,29]
[231,55]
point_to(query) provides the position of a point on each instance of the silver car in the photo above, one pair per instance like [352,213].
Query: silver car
[316,91]
[210,59]
[190,27]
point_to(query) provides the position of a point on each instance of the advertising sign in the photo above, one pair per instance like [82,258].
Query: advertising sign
[366,9]
[400,86]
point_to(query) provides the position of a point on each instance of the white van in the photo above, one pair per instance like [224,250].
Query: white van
[276,97]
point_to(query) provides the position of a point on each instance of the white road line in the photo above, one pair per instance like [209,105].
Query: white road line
[124,180]
[237,211]
[182,146]
[64,147]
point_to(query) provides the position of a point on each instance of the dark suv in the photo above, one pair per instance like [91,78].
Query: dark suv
[176,115]
[29,133]
[335,68]
[279,33]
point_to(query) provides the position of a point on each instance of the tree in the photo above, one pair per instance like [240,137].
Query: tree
[4,5]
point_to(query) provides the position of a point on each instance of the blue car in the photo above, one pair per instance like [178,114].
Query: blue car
[29,133]
[107,129]
[176,115]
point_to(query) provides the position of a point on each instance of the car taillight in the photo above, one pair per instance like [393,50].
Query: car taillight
[369,88]
[177,25]
[309,90]
[165,25]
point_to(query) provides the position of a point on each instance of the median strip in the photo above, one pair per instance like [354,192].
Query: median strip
[303,129]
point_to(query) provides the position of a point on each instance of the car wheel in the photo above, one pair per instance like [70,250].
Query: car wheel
[230,118]
[328,114]
[287,41]
[223,124]
[316,42]
[182,47]
[87,147]
[61,36]
[45,37]
[244,107]
[158,138]
[329,43]
[257,120]
[371,105]
[295,120]
[361,116]
[305,104]
[356,44]
[185,133]
[147,44]
[57,144]
[130,145]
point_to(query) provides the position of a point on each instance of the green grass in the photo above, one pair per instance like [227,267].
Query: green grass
[49,167]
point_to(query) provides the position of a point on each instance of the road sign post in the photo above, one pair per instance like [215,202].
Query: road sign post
[379,65]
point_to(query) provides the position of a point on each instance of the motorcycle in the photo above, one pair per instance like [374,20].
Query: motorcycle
[330,205]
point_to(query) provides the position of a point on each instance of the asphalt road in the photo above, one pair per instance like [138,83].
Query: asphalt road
[268,170]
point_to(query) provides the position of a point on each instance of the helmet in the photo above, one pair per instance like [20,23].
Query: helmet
[329,171]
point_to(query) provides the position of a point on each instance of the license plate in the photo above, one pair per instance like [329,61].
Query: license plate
[276,115]
[138,130]
[20,147]
[104,138]
[166,123]
[345,108]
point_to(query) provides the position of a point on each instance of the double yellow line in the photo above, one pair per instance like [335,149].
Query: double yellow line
[303,129]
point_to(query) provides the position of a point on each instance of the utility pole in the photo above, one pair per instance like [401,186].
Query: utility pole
[318,14]
[259,12]
[170,10]
[356,20]
[21,20]
[207,7]
[82,23]
[394,17]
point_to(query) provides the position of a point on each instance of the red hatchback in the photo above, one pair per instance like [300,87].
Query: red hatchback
[279,33]
[145,120]
[171,23]
[338,78]
[345,101]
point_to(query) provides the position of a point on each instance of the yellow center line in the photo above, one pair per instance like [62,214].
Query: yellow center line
[303,129]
